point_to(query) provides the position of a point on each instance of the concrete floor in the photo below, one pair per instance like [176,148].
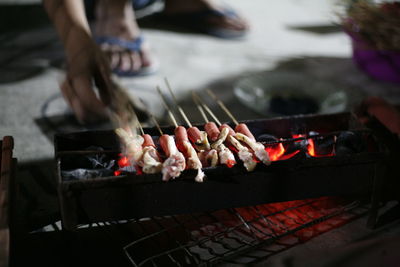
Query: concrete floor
[286,36]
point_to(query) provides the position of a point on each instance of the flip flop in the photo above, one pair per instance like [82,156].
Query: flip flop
[131,45]
[198,21]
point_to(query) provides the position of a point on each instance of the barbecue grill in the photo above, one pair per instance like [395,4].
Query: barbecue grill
[113,226]
[133,196]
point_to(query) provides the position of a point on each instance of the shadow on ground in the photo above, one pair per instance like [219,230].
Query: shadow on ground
[28,42]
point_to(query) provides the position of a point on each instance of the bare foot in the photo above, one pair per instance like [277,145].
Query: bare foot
[116,18]
[234,23]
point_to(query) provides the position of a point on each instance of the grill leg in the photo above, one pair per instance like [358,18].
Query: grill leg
[380,170]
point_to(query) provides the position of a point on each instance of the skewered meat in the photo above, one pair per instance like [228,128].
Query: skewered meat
[175,162]
[133,145]
[208,158]
[258,148]
[212,131]
[148,141]
[198,138]
[192,159]
[180,136]
[244,154]
[218,137]
[243,129]
[221,138]
[150,161]
[226,156]
[231,131]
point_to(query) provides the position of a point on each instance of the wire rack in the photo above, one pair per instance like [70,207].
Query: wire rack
[238,236]
[233,236]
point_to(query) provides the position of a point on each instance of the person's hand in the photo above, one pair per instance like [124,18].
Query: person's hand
[87,70]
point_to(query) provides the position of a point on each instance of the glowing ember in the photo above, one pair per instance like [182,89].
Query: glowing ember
[297,136]
[288,156]
[123,162]
[275,152]
[230,163]
[138,170]
[311,148]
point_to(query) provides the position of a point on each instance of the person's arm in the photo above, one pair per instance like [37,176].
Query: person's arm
[85,61]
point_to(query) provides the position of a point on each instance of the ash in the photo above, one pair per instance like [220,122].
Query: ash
[90,166]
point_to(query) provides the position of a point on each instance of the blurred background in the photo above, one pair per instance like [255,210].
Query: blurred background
[295,59]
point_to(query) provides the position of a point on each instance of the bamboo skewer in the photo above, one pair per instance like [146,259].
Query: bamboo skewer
[246,156]
[156,124]
[154,120]
[140,127]
[222,105]
[248,138]
[199,107]
[224,154]
[164,101]
[176,103]
[204,105]
[203,141]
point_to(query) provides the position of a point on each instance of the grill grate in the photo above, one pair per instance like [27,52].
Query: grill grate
[235,236]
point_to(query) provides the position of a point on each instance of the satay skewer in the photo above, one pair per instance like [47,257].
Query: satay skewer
[208,157]
[198,138]
[150,160]
[243,133]
[243,152]
[183,144]
[197,98]
[175,163]
[222,105]
[239,127]
[200,107]
[218,137]
[127,123]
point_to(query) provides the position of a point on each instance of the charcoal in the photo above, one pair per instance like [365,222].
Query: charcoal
[297,145]
[348,143]
[266,138]
[323,145]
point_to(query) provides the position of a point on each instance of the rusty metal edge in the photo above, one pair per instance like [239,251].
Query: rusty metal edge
[5,180]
